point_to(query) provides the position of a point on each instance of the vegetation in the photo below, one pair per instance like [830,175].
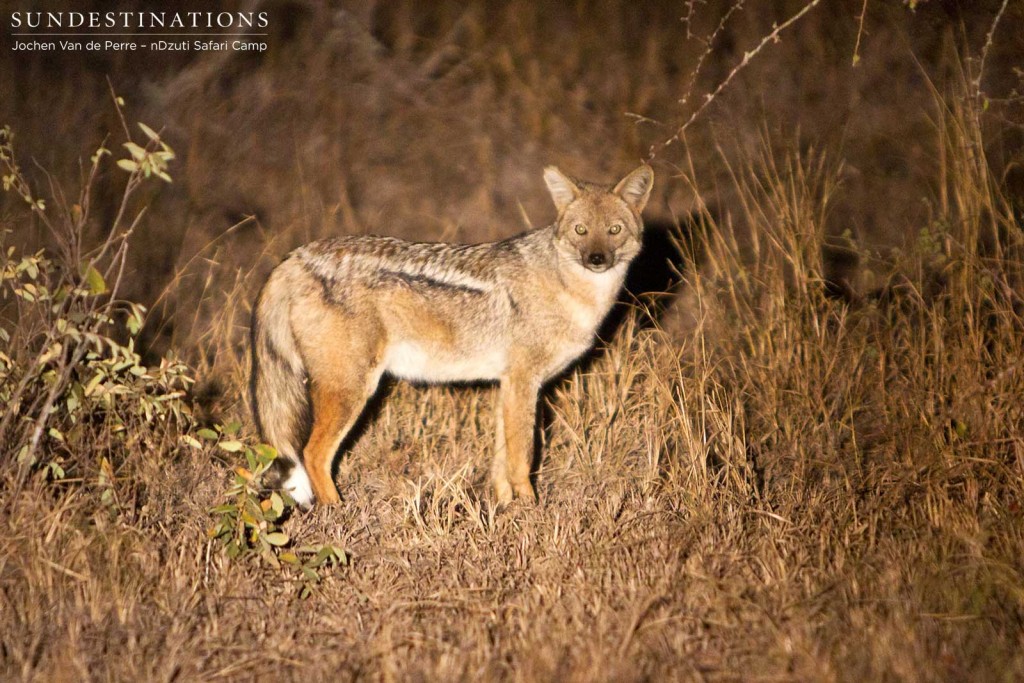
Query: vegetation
[786,471]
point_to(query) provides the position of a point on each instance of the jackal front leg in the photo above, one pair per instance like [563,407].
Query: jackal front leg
[515,418]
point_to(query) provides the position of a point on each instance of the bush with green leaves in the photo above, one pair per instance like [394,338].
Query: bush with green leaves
[79,400]
[250,522]
[71,377]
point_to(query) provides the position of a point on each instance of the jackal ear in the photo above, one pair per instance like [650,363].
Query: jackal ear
[635,188]
[562,188]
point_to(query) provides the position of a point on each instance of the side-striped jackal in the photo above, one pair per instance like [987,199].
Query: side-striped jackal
[338,313]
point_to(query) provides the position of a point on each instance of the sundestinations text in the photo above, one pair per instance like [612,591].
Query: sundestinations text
[139,20]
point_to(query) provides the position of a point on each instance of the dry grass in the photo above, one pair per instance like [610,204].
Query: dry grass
[771,482]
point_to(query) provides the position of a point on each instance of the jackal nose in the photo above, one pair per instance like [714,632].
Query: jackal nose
[596,259]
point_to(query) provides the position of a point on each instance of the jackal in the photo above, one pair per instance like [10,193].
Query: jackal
[338,313]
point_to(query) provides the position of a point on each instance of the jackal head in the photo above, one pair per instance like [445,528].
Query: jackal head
[599,228]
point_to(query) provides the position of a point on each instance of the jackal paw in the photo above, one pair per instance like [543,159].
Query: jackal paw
[502,491]
[505,491]
[524,490]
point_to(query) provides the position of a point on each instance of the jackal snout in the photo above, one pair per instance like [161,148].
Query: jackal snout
[598,255]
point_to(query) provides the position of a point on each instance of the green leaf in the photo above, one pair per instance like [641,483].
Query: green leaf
[266,453]
[134,323]
[150,133]
[207,434]
[22,456]
[138,153]
[231,428]
[324,553]
[94,281]
[232,446]
[276,503]
[276,538]
[127,165]
[56,470]
[92,383]
[249,519]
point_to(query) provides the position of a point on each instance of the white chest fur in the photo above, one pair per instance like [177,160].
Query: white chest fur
[590,296]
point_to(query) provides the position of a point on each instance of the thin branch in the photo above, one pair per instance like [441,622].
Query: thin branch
[117,107]
[860,32]
[777,29]
[988,45]
[708,44]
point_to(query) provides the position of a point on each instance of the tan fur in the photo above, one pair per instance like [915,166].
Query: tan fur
[338,313]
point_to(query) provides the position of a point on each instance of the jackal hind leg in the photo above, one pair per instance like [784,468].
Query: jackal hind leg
[342,357]
[515,424]
[335,411]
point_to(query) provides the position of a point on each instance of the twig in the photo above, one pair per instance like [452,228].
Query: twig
[777,29]
[687,18]
[708,43]
[988,44]
[860,32]
[117,107]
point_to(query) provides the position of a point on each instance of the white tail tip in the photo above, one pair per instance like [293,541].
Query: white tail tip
[297,484]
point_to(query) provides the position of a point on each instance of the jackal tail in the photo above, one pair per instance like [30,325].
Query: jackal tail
[279,393]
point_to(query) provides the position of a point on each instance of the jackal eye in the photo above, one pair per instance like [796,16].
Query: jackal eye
[615,229]
[581,229]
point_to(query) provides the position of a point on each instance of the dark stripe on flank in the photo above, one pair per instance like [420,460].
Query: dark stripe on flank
[330,292]
[325,284]
[424,281]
